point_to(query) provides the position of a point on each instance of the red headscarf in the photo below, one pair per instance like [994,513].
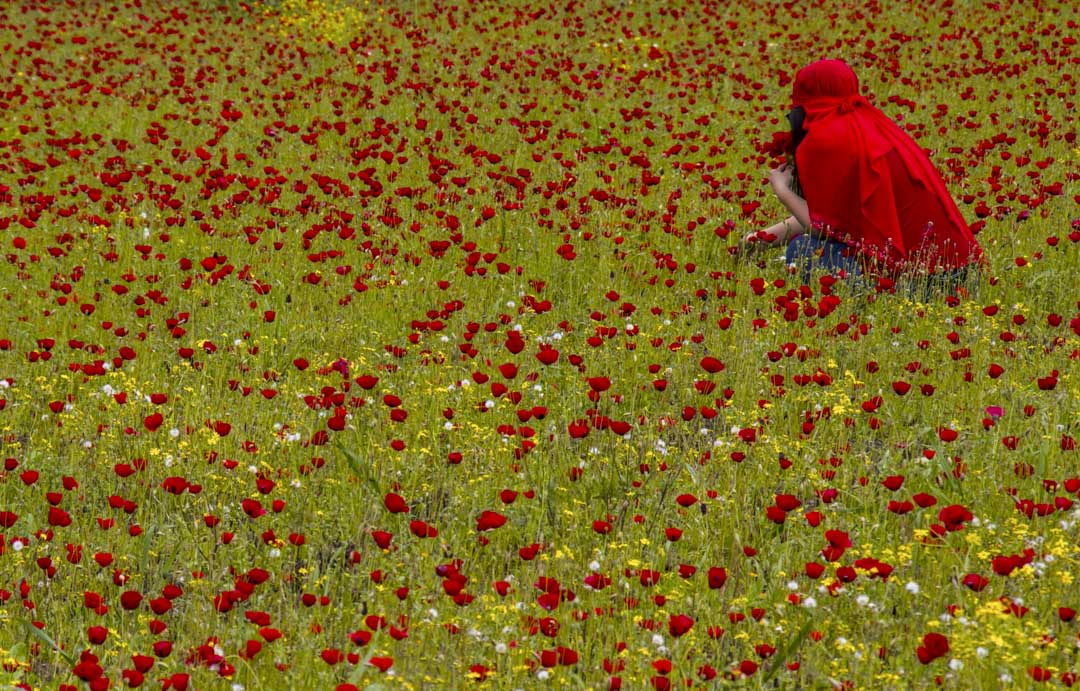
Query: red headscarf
[868,184]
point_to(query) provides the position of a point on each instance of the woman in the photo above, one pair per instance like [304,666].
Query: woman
[865,197]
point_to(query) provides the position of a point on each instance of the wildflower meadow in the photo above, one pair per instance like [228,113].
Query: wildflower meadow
[409,345]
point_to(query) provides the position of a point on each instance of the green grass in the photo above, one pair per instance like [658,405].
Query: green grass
[333,250]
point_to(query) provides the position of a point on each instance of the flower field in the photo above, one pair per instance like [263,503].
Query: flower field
[408,345]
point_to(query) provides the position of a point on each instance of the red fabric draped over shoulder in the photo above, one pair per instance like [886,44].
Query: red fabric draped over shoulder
[870,185]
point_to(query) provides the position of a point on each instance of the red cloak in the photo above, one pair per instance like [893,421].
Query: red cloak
[870,185]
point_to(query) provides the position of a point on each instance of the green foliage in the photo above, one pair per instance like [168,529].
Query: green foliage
[279,282]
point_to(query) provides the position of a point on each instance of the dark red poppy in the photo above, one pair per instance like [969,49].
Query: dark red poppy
[717,577]
[934,645]
[422,529]
[395,503]
[679,624]
[490,520]
[893,482]
[954,516]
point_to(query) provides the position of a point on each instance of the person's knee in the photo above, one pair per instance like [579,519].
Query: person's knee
[801,248]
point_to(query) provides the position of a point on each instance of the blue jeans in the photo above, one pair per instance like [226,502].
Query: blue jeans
[811,253]
[822,254]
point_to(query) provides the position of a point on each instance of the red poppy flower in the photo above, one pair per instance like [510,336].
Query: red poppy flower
[900,507]
[160,605]
[775,514]
[679,624]
[954,516]
[599,384]
[365,381]
[422,530]
[58,518]
[547,355]
[711,365]
[924,500]
[490,520]
[779,146]
[252,507]
[787,502]
[934,645]
[382,538]
[97,634]
[130,599]
[684,500]
[717,577]
[597,581]
[566,656]
[1004,565]
[88,669]
[872,404]
[1040,674]
[893,482]
[395,503]
[578,429]
[1047,383]
[648,577]
[332,656]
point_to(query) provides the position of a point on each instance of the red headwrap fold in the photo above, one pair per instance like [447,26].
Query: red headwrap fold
[870,185]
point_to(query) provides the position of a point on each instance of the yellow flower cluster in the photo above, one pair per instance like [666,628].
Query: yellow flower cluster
[331,20]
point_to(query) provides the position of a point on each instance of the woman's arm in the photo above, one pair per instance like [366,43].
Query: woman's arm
[780,178]
[778,234]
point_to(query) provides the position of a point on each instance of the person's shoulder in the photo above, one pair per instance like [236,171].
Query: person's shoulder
[824,145]
[826,129]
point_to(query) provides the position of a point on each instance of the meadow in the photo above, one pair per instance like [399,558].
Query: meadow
[408,345]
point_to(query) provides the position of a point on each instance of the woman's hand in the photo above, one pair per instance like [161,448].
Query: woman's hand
[758,240]
[780,178]
[751,243]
